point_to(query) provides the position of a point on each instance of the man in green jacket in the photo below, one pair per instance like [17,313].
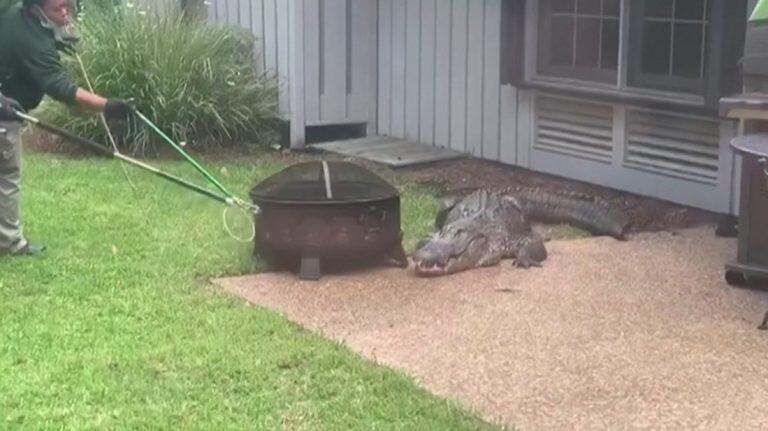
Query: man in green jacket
[31,37]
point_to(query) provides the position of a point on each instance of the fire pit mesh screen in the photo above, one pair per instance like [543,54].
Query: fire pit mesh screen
[323,182]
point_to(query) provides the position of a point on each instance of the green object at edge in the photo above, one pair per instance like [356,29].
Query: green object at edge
[760,14]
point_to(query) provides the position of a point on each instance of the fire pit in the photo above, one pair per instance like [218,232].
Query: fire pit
[329,215]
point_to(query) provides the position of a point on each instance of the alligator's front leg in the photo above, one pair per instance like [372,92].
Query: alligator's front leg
[528,252]
[764,326]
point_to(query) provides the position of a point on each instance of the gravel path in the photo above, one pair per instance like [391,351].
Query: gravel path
[613,335]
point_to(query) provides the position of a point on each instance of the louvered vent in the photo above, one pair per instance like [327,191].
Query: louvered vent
[673,145]
[583,130]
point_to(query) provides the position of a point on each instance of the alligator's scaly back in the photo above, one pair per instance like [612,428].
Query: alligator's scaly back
[590,213]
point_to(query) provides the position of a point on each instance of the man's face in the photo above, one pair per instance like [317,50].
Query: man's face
[57,11]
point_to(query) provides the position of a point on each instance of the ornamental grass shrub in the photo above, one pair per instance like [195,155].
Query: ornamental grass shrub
[197,81]
[6,4]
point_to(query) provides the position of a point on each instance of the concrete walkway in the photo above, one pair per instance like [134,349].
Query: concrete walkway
[608,335]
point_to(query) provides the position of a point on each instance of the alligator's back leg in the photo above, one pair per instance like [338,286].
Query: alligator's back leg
[527,251]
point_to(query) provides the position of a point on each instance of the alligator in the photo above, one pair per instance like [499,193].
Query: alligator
[487,226]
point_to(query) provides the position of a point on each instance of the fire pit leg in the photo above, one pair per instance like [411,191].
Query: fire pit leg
[397,257]
[310,268]
[764,325]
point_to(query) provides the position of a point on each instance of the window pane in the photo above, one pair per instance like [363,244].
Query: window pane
[689,9]
[589,7]
[563,6]
[687,50]
[656,45]
[610,54]
[588,42]
[561,49]
[611,7]
[658,8]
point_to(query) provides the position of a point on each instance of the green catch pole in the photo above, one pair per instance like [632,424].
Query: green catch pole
[184,153]
[760,13]
[107,152]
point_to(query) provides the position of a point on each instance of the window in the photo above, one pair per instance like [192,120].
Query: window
[579,39]
[668,44]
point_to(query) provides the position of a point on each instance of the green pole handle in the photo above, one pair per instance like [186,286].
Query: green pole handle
[760,13]
[110,153]
[184,153]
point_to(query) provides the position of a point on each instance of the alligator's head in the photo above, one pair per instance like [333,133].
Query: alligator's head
[452,250]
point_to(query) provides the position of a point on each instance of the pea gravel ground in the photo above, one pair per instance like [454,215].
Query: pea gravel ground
[643,334]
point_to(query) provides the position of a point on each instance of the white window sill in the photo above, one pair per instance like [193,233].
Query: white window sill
[625,95]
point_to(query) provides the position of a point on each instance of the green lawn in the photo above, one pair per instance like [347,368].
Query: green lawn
[115,326]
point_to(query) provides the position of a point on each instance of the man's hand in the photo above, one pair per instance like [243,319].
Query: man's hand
[117,109]
[8,108]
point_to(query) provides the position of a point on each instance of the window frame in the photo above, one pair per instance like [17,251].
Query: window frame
[637,78]
[706,95]
[592,74]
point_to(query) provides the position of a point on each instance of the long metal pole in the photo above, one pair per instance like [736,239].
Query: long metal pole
[107,152]
[184,154]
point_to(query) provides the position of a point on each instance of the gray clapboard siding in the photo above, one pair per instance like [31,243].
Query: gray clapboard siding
[311,55]
[412,69]
[439,73]
[337,50]
[442,78]
[399,55]
[491,98]
[269,22]
[333,83]
[475,73]
[298,86]
[458,70]
[426,87]
[384,101]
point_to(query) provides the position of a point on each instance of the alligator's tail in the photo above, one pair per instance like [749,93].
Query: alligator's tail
[590,213]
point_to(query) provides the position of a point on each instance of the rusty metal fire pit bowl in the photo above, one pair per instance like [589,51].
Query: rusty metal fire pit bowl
[326,217]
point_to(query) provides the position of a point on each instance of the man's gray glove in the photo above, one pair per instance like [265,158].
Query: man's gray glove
[117,109]
[8,108]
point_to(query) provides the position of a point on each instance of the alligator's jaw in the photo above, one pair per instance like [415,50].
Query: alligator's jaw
[424,269]
[442,256]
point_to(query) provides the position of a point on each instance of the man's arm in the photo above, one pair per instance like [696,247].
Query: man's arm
[44,64]
[89,101]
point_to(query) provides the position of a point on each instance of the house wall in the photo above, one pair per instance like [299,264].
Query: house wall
[440,84]
[669,153]
[269,22]
[436,67]
[439,76]
[323,53]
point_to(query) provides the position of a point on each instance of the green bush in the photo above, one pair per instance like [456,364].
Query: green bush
[6,4]
[194,80]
